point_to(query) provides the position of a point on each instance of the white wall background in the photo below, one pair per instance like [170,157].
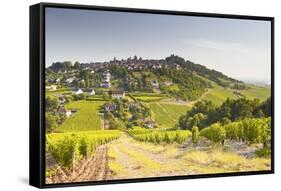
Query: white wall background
[14,72]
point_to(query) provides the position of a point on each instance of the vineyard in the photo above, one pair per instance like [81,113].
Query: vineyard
[248,130]
[140,152]
[69,148]
[160,136]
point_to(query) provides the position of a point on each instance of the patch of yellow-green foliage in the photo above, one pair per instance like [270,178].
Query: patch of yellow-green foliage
[140,158]
[218,161]
[50,172]
[247,130]
[68,148]
[86,118]
[59,91]
[160,136]
[148,98]
[264,152]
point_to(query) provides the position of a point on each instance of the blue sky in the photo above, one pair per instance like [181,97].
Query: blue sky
[238,48]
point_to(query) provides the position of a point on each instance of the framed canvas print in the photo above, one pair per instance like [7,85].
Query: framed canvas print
[128,95]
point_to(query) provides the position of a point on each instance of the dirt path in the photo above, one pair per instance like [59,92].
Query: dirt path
[132,159]
[138,160]
[126,158]
[92,169]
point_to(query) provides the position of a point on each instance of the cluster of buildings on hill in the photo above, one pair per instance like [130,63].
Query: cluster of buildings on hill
[134,63]
[116,94]
[106,80]
[102,68]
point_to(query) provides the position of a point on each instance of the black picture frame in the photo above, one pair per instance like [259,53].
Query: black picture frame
[37,93]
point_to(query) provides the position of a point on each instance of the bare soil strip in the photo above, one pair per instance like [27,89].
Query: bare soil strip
[93,169]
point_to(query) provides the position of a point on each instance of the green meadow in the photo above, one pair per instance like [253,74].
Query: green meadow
[219,94]
[166,115]
[86,118]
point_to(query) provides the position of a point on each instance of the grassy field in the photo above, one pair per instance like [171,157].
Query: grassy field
[166,115]
[219,94]
[175,111]
[59,91]
[261,93]
[87,116]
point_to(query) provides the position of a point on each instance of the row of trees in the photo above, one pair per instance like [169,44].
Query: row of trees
[248,130]
[205,113]
[51,120]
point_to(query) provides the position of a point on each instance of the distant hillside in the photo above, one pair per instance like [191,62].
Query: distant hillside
[172,60]
[173,76]
[210,74]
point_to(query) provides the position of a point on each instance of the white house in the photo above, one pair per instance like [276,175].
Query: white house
[118,94]
[90,91]
[69,80]
[62,100]
[77,91]
[105,85]
[68,113]
[168,83]
[110,107]
[51,87]
[106,80]
[154,83]
[176,66]
[149,124]
[157,66]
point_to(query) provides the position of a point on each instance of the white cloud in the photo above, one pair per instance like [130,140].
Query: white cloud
[219,45]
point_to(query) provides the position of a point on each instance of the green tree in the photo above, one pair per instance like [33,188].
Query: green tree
[81,84]
[51,103]
[87,81]
[50,121]
[146,112]
[224,121]
[195,135]
[76,65]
